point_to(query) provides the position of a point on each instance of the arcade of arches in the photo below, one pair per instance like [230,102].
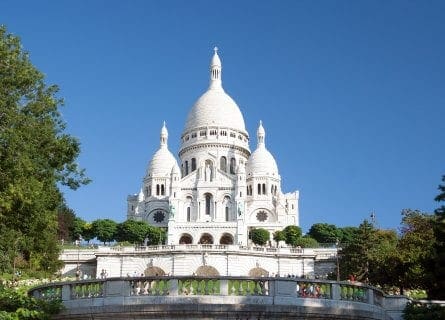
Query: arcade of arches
[206,238]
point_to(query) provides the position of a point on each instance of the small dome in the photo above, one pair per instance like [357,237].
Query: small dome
[163,162]
[261,161]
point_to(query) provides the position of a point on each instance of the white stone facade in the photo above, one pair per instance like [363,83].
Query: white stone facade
[220,190]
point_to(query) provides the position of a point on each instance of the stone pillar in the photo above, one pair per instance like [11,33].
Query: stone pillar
[224,287]
[66,292]
[370,295]
[336,291]
[173,287]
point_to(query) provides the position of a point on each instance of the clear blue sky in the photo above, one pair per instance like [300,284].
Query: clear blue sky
[351,93]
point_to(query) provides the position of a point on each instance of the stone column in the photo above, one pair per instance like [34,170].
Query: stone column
[173,287]
[370,297]
[336,291]
[224,286]
[66,292]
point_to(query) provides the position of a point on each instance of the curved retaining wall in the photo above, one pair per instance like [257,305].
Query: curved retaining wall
[220,298]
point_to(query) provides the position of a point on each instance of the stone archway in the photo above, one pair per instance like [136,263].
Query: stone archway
[226,238]
[207,271]
[258,272]
[206,238]
[154,271]
[186,239]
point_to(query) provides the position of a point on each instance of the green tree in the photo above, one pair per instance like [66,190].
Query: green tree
[307,242]
[324,233]
[65,223]
[279,236]
[156,235]
[104,230]
[132,231]
[36,157]
[259,236]
[77,231]
[292,234]
[436,288]
[355,256]
[414,249]
[87,231]
[347,234]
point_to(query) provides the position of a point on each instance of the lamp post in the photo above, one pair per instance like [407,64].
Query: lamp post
[338,264]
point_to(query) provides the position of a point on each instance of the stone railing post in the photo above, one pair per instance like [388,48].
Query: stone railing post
[117,288]
[370,296]
[66,292]
[271,288]
[174,285]
[336,291]
[224,287]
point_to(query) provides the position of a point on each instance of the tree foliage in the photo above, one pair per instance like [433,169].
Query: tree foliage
[104,230]
[156,235]
[16,304]
[307,242]
[65,223]
[324,233]
[279,236]
[132,231]
[36,155]
[436,267]
[381,257]
[292,234]
[259,236]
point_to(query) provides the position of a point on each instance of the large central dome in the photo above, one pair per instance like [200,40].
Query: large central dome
[215,107]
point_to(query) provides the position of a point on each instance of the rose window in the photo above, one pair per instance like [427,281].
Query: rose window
[261,216]
[159,216]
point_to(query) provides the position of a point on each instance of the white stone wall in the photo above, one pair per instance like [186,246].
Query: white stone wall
[233,261]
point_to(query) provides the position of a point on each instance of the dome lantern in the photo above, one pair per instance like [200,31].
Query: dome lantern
[215,71]
[261,135]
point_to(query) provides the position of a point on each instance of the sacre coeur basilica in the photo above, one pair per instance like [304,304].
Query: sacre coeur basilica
[220,190]
[209,201]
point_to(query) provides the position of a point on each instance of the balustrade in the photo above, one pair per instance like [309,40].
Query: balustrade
[243,287]
[353,292]
[197,286]
[49,293]
[149,287]
[85,290]
[313,290]
[210,286]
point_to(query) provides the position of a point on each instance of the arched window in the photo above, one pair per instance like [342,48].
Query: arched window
[188,214]
[223,164]
[157,189]
[264,188]
[259,188]
[247,190]
[227,213]
[162,190]
[193,164]
[208,203]
[232,165]
[186,168]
